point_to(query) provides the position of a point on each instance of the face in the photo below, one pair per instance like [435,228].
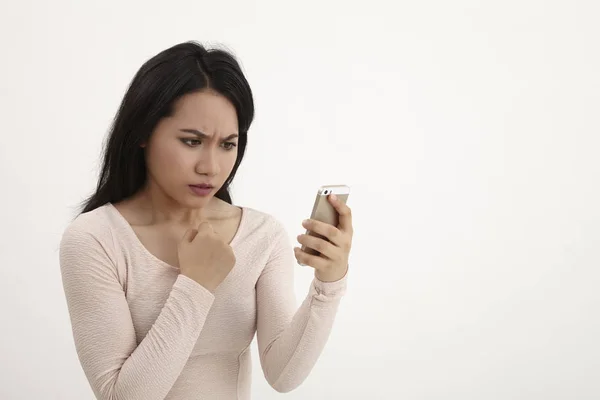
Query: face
[196,145]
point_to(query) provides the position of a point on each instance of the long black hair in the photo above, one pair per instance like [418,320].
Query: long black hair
[181,69]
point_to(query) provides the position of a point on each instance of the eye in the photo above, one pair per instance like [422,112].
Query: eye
[229,145]
[191,142]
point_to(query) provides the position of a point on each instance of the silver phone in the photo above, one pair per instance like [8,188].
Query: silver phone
[323,210]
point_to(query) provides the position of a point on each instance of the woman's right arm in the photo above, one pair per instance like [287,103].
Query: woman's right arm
[116,367]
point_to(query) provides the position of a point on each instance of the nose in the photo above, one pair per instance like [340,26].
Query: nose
[208,163]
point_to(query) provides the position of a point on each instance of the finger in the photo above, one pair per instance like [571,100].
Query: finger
[315,262]
[322,246]
[333,234]
[189,235]
[344,212]
[202,215]
[205,227]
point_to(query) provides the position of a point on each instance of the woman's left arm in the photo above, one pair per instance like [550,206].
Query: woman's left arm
[291,340]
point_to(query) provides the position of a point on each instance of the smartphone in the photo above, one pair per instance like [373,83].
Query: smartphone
[323,210]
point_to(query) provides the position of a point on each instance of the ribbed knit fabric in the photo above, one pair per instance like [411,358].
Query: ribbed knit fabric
[144,332]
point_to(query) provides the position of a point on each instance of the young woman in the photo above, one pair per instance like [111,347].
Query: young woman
[166,280]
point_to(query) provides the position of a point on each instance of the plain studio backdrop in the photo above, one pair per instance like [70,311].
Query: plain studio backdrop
[468,131]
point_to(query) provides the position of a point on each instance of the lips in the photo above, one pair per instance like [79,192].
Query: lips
[203,189]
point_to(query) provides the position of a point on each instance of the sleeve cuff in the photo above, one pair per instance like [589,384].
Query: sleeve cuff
[330,290]
[195,292]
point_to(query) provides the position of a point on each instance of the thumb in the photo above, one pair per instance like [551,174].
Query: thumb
[205,226]
[189,235]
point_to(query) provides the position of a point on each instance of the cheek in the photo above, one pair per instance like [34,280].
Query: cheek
[168,160]
[228,160]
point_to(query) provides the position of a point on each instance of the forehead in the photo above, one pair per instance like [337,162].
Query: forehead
[207,111]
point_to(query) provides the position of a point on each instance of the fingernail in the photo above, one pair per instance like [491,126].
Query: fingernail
[333,197]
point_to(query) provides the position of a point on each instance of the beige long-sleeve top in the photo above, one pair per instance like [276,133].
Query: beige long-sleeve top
[144,331]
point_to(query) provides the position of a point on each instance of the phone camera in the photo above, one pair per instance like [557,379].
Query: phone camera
[326,191]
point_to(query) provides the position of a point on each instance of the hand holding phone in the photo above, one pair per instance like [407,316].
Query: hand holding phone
[328,238]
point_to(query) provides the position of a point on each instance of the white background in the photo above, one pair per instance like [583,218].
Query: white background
[468,130]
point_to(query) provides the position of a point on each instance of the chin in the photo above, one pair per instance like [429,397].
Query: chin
[194,201]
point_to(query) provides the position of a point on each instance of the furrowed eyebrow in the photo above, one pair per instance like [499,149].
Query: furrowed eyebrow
[205,136]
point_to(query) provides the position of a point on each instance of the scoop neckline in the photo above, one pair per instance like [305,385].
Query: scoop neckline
[138,243]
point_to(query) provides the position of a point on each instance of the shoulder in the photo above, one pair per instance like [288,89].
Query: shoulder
[88,231]
[270,239]
[263,221]
[265,230]
[95,222]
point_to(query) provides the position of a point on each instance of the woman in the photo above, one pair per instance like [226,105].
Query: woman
[166,280]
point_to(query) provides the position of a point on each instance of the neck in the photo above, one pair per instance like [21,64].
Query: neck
[159,208]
